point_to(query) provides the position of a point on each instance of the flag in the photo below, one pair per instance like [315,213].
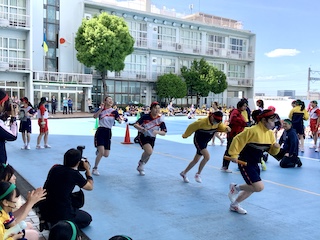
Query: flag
[44,44]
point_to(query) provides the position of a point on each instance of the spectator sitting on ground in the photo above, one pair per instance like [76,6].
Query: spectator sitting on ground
[7,175]
[288,155]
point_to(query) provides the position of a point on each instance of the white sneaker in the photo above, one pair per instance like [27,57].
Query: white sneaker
[28,147]
[95,171]
[197,177]
[23,147]
[312,146]
[226,170]
[47,146]
[317,150]
[140,168]
[39,147]
[184,176]
[237,208]
[233,192]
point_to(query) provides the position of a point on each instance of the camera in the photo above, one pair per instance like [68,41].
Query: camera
[83,159]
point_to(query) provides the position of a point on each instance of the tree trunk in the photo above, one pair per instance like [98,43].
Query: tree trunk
[198,100]
[104,77]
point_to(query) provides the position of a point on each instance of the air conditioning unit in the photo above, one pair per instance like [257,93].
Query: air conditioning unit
[154,60]
[178,47]
[87,16]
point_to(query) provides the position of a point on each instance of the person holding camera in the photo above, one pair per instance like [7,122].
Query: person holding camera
[61,202]
[7,110]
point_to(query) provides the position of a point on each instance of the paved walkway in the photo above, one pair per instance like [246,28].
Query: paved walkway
[159,205]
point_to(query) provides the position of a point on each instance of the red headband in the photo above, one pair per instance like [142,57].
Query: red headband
[265,115]
[4,99]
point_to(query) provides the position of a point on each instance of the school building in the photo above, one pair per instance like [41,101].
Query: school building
[164,42]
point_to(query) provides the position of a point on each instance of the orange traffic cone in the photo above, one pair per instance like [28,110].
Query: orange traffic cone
[127,136]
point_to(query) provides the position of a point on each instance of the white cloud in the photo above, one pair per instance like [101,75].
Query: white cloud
[280,52]
[271,77]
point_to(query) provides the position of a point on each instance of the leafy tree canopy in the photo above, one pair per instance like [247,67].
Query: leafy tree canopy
[103,42]
[202,78]
[169,86]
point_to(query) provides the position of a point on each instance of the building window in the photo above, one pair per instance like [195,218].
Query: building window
[138,31]
[12,48]
[166,65]
[237,45]
[215,41]
[190,39]
[51,28]
[135,63]
[236,71]
[167,35]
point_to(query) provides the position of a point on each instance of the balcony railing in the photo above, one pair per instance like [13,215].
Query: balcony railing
[14,64]
[14,19]
[194,49]
[62,78]
[240,82]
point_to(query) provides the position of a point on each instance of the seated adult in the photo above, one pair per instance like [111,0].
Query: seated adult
[288,155]
[60,183]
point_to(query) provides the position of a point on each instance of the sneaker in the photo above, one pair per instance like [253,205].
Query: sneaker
[222,141]
[95,171]
[23,147]
[28,147]
[39,147]
[47,146]
[237,208]
[312,146]
[197,177]
[317,150]
[140,168]
[226,170]
[233,192]
[263,165]
[184,176]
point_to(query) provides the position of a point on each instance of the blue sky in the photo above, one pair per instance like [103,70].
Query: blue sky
[287,35]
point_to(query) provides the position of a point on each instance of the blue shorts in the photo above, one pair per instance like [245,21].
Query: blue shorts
[299,128]
[250,173]
[25,126]
[200,144]
[146,140]
[103,137]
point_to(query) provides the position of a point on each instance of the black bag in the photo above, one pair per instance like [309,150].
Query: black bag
[77,199]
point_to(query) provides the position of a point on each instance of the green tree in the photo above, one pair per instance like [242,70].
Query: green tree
[103,42]
[202,78]
[169,86]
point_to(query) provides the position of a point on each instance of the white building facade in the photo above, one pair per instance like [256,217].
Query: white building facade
[163,44]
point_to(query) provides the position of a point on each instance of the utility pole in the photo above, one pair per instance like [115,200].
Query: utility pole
[191,7]
[311,78]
